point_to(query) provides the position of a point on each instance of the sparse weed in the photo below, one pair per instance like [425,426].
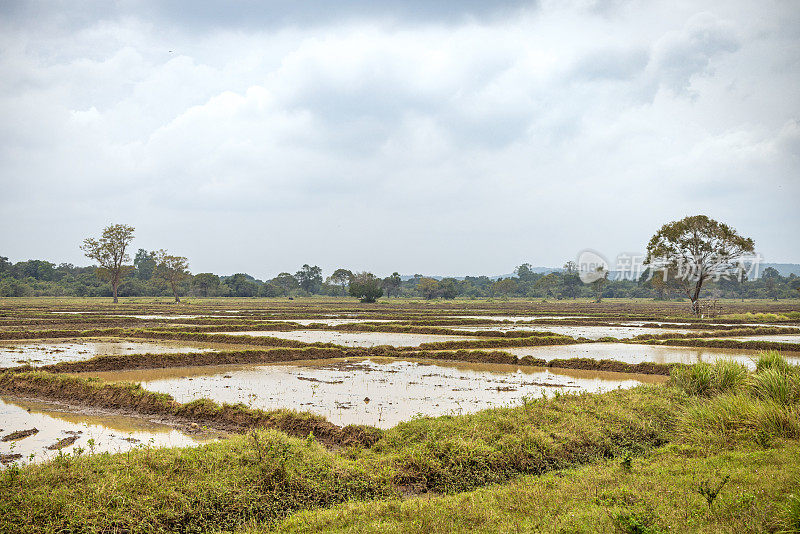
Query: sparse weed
[709,489]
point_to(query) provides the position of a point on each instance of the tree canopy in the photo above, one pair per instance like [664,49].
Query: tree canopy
[309,278]
[109,251]
[172,269]
[366,286]
[697,249]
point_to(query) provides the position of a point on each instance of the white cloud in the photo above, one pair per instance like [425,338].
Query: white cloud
[446,146]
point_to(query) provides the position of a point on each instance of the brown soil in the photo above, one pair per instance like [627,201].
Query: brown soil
[64,442]
[20,434]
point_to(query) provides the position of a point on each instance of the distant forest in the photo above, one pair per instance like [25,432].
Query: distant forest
[43,278]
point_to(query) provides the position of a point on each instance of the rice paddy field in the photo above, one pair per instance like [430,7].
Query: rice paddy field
[318,414]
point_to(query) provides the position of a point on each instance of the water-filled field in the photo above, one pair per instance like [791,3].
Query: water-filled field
[354,339]
[588,332]
[635,353]
[53,430]
[349,380]
[332,322]
[38,353]
[378,391]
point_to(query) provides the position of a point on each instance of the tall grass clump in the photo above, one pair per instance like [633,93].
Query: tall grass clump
[704,379]
[726,420]
[772,359]
[729,375]
[759,407]
[770,384]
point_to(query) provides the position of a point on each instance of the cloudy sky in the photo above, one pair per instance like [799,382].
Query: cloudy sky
[448,137]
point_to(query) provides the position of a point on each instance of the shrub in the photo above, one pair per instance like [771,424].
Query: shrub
[366,286]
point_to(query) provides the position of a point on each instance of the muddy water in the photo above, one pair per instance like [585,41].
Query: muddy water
[331,322]
[782,338]
[111,433]
[193,316]
[36,353]
[588,332]
[380,392]
[512,318]
[354,339]
[630,353]
[642,323]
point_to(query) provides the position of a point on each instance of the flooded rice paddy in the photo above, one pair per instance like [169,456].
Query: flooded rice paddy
[780,338]
[331,322]
[36,353]
[511,318]
[354,339]
[588,332]
[58,430]
[630,353]
[147,317]
[379,392]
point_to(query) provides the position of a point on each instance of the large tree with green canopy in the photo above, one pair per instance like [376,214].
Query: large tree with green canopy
[697,249]
[110,252]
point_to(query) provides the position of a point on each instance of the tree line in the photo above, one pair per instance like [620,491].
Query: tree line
[160,273]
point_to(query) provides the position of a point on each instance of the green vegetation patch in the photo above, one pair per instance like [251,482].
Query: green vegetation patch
[658,493]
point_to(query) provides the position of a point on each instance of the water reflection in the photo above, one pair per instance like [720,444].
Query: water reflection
[111,433]
[37,353]
[375,391]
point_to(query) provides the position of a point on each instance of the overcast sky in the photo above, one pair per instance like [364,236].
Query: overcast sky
[444,138]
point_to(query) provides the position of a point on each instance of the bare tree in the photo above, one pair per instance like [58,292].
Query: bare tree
[109,253]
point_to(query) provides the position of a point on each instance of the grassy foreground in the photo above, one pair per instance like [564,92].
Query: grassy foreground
[642,460]
[657,493]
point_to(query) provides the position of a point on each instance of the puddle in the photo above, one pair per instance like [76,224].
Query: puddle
[378,391]
[36,353]
[354,339]
[111,433]
[630,353]
[589,332]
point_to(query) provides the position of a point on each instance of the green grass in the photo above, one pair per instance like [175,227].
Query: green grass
[658,494]
[750,317]
[220,485]
[457,453]
[729,437]
[707,379]
[773,360]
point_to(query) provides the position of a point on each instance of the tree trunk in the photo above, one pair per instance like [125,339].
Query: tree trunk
[115,285]
[695,297]
[175,293]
